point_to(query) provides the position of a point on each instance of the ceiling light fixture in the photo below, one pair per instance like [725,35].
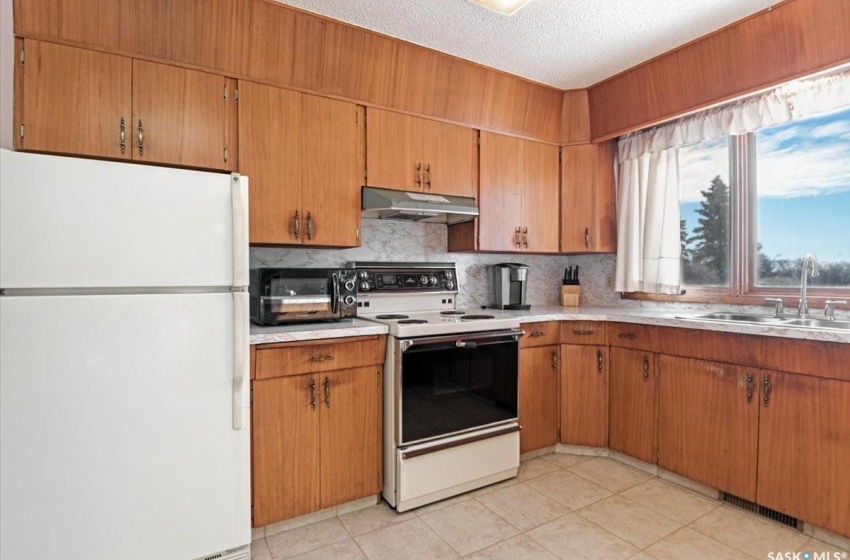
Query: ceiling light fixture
[505,7]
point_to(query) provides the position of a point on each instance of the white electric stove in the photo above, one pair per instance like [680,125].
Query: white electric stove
[450,383]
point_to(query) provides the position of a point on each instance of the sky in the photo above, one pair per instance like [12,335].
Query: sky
[803,177]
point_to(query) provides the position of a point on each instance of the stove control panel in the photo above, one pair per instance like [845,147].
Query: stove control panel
[410,277]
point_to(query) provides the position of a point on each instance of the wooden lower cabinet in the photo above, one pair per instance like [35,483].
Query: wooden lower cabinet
[316,441]
[708,423]
[538,397]
[804,448]
[632,395]
[584,395]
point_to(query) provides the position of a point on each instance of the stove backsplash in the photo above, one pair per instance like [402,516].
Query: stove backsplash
[388,240]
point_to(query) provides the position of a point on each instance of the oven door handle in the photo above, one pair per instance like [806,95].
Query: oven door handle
[463,340]
[457,443]
[335,297]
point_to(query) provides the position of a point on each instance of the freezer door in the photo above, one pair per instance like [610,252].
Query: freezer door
[116,428]
[77,223]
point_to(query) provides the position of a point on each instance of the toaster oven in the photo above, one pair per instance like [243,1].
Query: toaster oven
[293,295]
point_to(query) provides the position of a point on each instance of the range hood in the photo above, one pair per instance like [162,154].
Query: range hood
[388,204]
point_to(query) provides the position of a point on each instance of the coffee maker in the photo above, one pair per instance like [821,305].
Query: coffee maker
[509,282]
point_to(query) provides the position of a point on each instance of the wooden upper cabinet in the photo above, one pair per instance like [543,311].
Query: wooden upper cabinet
[708,423]
[588,206]
[181,116]
[414,154]
[332,173]
[584,395]
[518,195]
[70,100]
[804,448]
[538,397]
[632,396]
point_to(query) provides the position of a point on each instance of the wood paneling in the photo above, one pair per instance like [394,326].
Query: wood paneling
[539,185]
[270,155]
[583,332]
[350,435]
[72,100]
[707,425]
[632,397]
[332,171]
[183,114]
[500,193]
[391,151]
[294,358]
[794,38]
[285,449]
[575,117]
[584,395]
[450,156]
[544,333]
[538,397]
[804,449]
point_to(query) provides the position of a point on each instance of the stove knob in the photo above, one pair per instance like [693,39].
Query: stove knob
[363,275]
[449,275]
[364,286]
[450,285]
[348,301]
[349,285]
[433,280]
[423,280]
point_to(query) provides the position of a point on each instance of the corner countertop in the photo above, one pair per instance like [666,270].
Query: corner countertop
[664,318]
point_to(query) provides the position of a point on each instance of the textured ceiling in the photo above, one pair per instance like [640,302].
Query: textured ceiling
[564,43]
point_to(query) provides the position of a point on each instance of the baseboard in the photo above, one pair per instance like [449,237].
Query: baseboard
[258,533]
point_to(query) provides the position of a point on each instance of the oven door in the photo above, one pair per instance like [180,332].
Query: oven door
[448,385]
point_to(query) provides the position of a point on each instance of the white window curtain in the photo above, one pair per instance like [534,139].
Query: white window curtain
[648,244]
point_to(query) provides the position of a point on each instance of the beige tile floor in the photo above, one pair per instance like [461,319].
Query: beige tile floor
[559,506]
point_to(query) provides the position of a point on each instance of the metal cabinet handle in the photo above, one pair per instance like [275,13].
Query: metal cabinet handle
[122,141]
[525,237]
[141,139]
[766,389]
[555,360]
[628,335]
[749,387]
[537,334]
[419,174]
[309,225]
[296,229]
[645,368]
[313,393]
[428,176]
[583,331]
[586,238]
[517,235]
[324,358]
[328,392]
[599,361]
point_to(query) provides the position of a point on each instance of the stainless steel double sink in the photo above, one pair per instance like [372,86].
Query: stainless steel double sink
[779,321]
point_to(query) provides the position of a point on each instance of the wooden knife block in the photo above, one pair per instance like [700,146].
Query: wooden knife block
[570,296]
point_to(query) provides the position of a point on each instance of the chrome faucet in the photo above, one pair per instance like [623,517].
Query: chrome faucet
[803,308]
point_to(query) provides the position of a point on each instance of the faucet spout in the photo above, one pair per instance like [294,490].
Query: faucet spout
[803,308]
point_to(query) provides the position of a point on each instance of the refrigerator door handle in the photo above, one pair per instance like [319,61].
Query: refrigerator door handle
[239,198]
[240,357]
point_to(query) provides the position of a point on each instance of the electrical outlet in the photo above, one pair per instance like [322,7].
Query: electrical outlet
[609,281]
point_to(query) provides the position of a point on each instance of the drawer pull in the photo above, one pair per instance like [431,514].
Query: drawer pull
[645,368]
[313,393]
[766,389]
[749,387]
[583,331]
[599,360]
[328,392]
[628,335]
[555,361]
[537,334]
[324,358]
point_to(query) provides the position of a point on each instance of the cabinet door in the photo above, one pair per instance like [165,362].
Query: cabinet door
[538,397]
[450,156]
[285,450]
[708,423]
[588,207]
[183,115]
[270,155]
[804,448]
[631,403]
[500,200]
[350,434]
[584,395]
[538,178]
[332,171]
[73,101]
[392,152]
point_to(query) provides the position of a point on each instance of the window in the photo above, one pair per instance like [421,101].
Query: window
[752,206]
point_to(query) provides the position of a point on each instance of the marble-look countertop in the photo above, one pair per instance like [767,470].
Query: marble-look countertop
[315,331]
[663,318]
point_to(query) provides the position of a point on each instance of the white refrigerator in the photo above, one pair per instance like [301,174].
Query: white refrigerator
[124,401]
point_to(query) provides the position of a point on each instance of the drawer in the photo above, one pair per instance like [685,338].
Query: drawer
[583,332]
[314,356]
[540,334]
[626,335]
